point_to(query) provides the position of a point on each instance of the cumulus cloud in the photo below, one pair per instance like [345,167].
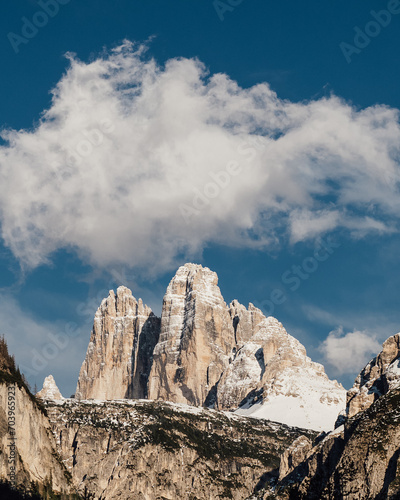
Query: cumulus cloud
[138,163]
[349,353]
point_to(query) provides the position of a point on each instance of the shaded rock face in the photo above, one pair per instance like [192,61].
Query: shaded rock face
[119,354]
[294,455]
[50,390]
[150,450]
[377,378]
[197,339]
[359,460]
[36,454]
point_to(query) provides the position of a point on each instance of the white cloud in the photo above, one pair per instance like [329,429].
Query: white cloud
[116,196]
[307,224]
[349,353]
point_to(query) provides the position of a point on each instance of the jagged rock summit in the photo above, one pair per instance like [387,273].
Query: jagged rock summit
[379,376]
[50,391]
[360,458]
[203,352]
[197,339]
[118,359]
[277,380]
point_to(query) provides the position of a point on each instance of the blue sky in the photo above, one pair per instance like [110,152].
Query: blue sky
[313,132]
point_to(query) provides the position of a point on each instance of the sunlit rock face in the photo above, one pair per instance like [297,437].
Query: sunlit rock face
[379,376]
[119,354]
[197,339]
[204,352]
[228,357]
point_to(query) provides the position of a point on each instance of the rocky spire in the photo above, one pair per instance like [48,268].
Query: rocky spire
[119,354]
[197,338]
[377,378]
[50,390]
[245,321]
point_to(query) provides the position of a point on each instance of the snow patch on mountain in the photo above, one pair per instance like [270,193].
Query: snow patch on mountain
[298,397]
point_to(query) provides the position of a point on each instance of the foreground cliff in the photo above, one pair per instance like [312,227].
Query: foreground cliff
[377,378]
[150,450]
[204,352]
[360,459]
[28,450]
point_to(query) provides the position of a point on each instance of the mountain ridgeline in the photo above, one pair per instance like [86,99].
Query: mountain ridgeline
[210,401]
[203,352]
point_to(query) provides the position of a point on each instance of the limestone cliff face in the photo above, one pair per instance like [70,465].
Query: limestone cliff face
[149,450]
[293,456]
[359,460]
[377,378]
[197,338]
[258,362]
[37,459]
[119,355]
[246,322]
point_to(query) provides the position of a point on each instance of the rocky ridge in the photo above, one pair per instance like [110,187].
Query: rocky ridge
[204,352]
[272,377]
[360,458]
[26,439]
[150,450]
[377,378]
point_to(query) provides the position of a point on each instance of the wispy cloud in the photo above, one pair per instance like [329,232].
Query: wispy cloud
[42,347]
[126,142]
[348,353]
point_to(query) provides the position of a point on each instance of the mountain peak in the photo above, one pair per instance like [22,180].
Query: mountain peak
[203,352]
[50,390]
[190,271]
[380,375]
[119,354]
